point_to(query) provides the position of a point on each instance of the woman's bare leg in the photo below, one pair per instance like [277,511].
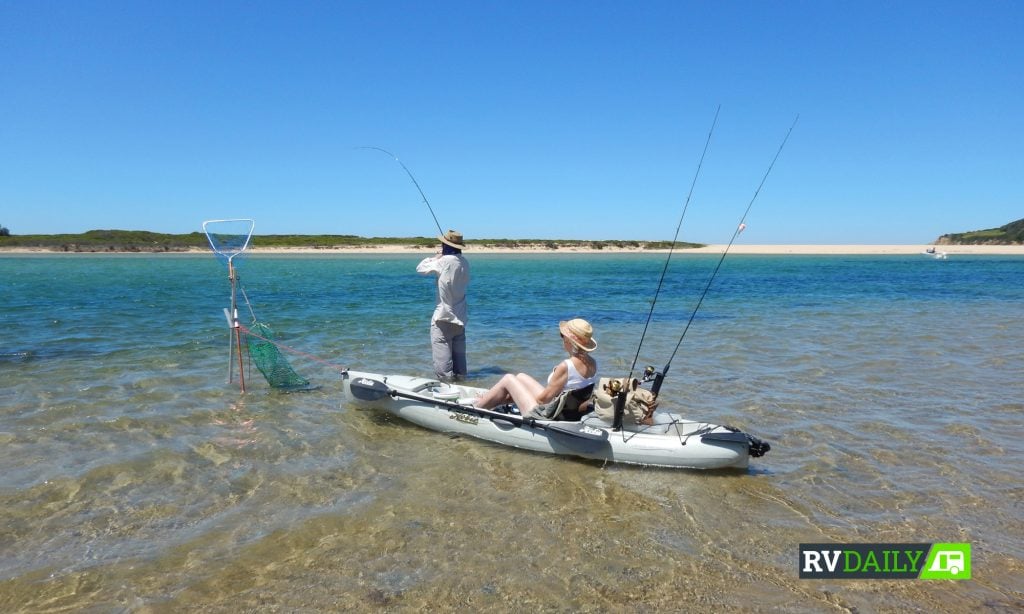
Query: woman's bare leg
[531,384]
[522,394]
[497,395]
[509,388]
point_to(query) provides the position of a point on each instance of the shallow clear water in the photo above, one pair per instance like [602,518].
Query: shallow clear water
[133,477]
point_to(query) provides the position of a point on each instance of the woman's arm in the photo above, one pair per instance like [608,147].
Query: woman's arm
[558,379]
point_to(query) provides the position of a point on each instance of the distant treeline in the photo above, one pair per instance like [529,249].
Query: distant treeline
[1010,234]
[145,241]
[108,241]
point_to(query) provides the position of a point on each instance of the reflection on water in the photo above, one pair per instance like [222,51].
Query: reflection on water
[135,479]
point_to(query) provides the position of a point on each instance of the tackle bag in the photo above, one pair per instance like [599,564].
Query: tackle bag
[640,402]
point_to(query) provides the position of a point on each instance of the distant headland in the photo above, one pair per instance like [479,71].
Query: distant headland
[1010,234]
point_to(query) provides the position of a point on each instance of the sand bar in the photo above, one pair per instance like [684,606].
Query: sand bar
[950,250]
[1017,250]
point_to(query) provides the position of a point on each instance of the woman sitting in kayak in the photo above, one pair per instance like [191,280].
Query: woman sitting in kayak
[574,374]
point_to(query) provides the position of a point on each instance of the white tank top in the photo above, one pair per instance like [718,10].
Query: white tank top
[575,381]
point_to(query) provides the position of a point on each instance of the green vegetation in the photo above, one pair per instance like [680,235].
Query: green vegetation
[329,241]
[1010,234]
[4,232]
[108,241]
[143,241]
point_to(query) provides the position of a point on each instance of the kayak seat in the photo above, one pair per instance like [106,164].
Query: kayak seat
[565,406]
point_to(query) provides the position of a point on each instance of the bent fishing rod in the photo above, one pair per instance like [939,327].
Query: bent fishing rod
[414,182]
[660,377]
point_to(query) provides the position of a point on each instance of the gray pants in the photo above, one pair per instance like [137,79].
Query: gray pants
[448,346]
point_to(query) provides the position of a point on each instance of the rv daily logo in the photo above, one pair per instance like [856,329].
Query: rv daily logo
[941,561]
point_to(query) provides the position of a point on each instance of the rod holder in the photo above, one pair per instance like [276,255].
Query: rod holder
[620,409]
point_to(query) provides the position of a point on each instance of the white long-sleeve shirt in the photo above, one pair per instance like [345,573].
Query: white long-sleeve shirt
[452,280]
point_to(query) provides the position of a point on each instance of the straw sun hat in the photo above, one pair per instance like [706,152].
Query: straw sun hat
[580,332]
[452,238]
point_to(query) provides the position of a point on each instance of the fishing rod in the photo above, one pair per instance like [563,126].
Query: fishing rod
[671,248]
[616,386]
[659,377]
[414,182]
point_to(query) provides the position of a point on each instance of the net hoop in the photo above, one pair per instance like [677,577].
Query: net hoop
[230,237]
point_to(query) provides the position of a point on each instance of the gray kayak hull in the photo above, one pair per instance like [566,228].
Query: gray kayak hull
[671,442]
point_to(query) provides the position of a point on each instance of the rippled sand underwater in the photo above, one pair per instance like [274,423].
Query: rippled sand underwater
[134,478]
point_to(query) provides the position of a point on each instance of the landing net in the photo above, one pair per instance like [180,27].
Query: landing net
[229,239]
[270,361]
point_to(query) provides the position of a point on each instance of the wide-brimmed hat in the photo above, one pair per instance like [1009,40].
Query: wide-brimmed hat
[580,332]
[452,238]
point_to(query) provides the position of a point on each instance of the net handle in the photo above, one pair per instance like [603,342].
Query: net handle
[235,338]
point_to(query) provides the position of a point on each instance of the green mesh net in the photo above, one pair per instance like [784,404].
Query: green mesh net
[271,362]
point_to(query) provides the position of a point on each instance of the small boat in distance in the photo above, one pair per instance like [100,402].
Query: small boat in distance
[933,253]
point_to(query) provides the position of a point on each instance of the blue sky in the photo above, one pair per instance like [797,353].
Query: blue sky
[580,120]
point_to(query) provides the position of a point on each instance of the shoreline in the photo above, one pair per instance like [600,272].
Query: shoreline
[766,250]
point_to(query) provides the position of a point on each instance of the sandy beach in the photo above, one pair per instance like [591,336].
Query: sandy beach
[708,249]
[794,249]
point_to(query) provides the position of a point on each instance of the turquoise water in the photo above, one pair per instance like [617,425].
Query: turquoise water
[133,477]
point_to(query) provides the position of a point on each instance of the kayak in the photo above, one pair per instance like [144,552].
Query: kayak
[671,441]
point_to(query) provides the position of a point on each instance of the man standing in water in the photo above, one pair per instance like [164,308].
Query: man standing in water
[448,324]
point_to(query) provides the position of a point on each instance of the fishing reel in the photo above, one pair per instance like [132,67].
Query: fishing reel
[653,375]
[650,374]
[623,390]
[613,387]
